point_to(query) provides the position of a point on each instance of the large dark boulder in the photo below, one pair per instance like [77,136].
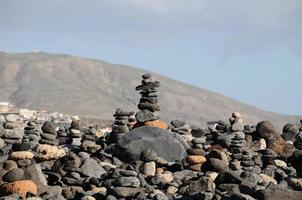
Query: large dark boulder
[164,143]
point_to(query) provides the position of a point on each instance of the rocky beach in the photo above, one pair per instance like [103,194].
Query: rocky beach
[145,158]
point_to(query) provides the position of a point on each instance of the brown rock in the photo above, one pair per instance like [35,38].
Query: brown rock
[266,130]
[156,123]
[196,167]
[281,147]
[196,159]
[19,187]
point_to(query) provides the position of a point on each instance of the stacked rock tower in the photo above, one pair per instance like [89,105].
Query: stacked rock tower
[149,98]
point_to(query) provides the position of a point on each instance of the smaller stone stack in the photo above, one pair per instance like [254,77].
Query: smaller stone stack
[63,136]
[131,120]
[49,135]
[268,157]
[247,161]
[90,140]
[148,102]
[22,155]
[75,133]
[180,127]
[237,145]
[13,132]
[196,154]
[31,134]
[236,122]
[120,125]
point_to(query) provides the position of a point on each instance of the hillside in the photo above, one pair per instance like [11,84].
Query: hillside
[93,88]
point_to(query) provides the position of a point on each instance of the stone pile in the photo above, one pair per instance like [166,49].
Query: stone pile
[49,134]
[148,104]
[120,125]
[75,133]
[63,136]
[32,134]
[227,161]
[12,130]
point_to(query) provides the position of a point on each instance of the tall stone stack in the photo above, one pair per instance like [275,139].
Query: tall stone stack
[12,132]
[49,135]
[120,125]
[75,133]
[148,102]
[31,134]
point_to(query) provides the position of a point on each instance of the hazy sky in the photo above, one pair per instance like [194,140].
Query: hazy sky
[250,50]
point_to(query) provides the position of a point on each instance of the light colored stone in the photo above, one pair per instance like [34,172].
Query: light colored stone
[267,179]
[149,169]
[21,155]
[196,159]
[212,175]
[280,163]
[48,152]
[172,189]
[296,183]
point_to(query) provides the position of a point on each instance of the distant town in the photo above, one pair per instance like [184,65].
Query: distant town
[35,115]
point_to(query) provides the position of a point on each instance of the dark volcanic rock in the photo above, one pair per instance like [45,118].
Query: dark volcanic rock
[266,130]
[48,127]
[273,192]
[161,141]
[13,175]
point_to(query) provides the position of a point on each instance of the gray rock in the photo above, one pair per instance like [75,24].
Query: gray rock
[13,134]
[124,192]
[145,115]
[13,175]
[148,155]
[91,168]
[128,182]
[12,118]
[178,123]
[34,173]
[131,145]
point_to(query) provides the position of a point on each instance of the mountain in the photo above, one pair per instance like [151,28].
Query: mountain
[94,88]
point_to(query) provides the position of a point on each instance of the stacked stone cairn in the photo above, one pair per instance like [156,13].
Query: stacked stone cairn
[13,131]
[120,125]
[63,136]
[90,141]
[49,134]
[32,134]
[75,133]
[196,154]
[148,104]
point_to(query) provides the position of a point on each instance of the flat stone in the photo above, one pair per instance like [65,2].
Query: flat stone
[10,125]
[48,136]
[21,155]
[48,152]
[145,115]
[149,106]
[178,123]
[12,118]
[128,182]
